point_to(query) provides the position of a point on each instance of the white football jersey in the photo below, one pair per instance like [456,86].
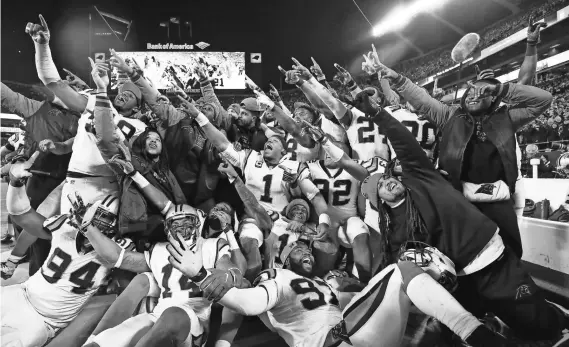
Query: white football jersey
[86,157]
[177,289]
[304,309]
[67,279]
[374,165]
[335,130]
[265,182]
[365,137]
[280,237]
[424,132]
[299,153]
[339,189]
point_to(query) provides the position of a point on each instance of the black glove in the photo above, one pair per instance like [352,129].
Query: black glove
[365,104]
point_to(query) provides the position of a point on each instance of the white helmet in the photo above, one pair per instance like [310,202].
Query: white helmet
[102,213]
[432,261]
[190,230]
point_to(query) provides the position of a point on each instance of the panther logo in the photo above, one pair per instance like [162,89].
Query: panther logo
[486,189]
[522,291]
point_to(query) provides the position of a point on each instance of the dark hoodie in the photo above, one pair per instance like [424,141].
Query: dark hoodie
[137,214]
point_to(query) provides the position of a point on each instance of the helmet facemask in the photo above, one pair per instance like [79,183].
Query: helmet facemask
[187,225]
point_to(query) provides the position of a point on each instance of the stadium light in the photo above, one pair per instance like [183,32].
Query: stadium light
[402,15]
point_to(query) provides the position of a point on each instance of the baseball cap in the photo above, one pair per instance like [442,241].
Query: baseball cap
[369,189]
[251,104]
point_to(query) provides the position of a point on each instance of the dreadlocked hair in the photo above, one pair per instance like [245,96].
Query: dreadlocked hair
[414,225]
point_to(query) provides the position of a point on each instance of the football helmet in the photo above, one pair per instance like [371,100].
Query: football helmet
[184,219]
[432,261]
[102,213]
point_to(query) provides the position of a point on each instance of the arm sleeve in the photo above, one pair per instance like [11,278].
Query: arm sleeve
[252,301]
[223,120]
[47,72]
[530,102]
[236,158]
[435,111]
[412,157]
[166,112]
[105,128]
[19,104]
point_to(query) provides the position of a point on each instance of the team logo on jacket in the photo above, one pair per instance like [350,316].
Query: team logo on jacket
[486,189]
[54,112]
[523,291]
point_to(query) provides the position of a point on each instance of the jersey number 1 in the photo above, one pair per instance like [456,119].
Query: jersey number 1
[266,197]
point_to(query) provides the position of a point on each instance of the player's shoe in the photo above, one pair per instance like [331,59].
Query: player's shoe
[483,336]
[6,238]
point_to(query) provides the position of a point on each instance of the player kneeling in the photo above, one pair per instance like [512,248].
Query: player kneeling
[304,310]
[182,313]
[34,311]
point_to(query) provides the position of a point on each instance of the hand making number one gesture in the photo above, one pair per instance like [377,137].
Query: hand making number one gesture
[534,30]
[39,33]
[100,75]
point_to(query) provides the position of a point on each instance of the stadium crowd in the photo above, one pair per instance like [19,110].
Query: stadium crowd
[329,219]
[438,60]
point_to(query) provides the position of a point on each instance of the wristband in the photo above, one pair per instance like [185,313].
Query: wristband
[18,183]
[335,152]
[324,219]
[532,43]
[202,274]
[121,256]
[202,120]
[351,85]
[140,180]
[166,208]
[233,273]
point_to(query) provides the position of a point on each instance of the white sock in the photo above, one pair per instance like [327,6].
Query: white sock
[222,343]
[14,258]
[431,298]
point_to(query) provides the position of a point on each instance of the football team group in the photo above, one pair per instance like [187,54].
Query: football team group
[330,222]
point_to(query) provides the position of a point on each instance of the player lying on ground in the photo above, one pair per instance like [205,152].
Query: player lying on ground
[305,311]
[34,311]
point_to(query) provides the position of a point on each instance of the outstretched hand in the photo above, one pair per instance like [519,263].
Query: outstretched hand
[316,133]
[343,75]
[364,103]
[119,63]
[291,77]
[188,107]
[20,170]
[39,32]
[274,93]
[534,30]
[122,163]
[187,261]
[317,70]
[99,72]
[303,72]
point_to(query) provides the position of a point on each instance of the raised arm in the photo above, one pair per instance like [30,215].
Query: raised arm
[47,72]
[288,123]
[223,119]
[413,159]
[110,252]
[19,104]
[529,65]
[252,207]
[529,102]
[18,202]
[165,111]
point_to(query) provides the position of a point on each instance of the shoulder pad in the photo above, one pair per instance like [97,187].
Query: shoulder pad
[265,275]
[53,224]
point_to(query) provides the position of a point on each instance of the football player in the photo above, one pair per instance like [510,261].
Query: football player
[34,311]
[364,136]
[269,175]
[179,296]
[87,171]
[304,310]
[341,191]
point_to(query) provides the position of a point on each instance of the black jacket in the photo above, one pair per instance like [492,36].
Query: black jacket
[455,226]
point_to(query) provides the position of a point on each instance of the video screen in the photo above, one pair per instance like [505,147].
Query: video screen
[165,70]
